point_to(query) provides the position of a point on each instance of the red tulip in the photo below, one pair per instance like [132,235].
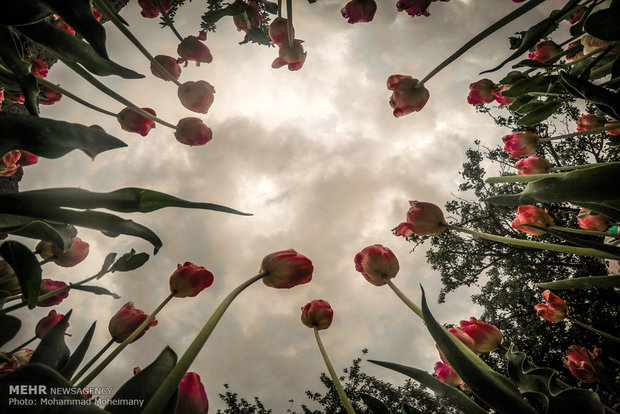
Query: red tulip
[589,121]
[49,285]
[170,64]
[192,395]
[197,96]
[294,56]
[415,7]
[531,215]
[576,15]
[576,53]
[317,313]
[190,280]
[192,131]
[520,144]
[579,364]
[407,96]
[359,11]
[47,323]
[446,374]
[481,92]
[253,14]
[545,50]
[588,220]
[499,96]
[38,68]
[286,269]
[14,97]
[64,26]
[48,96]
[127,320]
[376,263]
[131,121]
[612,131]
[75,254]
[462,336]
[192,48]
[555,310]
[96,14]
[423,219]
[278,30]
[150,8]
[533,165]
[486,337]
[16,360]
[13,160]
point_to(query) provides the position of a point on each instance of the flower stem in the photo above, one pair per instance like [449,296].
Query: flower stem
[404,298]
[74,97]
[171,382]
[586,232]
[578,133]
[279,8]
[601,333]
[289,18]
[168,20]
[123,344]
[343,397]
[486,32]
[561,248]
[21,346]
[92,361]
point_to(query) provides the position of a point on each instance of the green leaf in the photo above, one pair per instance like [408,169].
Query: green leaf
[69,48]
[541,113]
[604,23]
[520,102]
[3,295]
[513,77]
[587,282]
[129,261]
[530,63]
[144,384]
[18,12]
[59,234]
[452,394]
[52,351]
[49,138]
[97,290]
[375,406]
[26,268]
[9,326]
[539,83]
[256,35]
[576,29]
[107,262]
[605,100]
[78,355]
[407,409]
[492,388]
[213,16]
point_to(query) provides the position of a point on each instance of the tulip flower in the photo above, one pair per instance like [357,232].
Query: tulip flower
[69,258]
[500,98]
[192,48]
[377,263]
[170,64]
[446,374]
[520,144]
[612,131]
[48,96]
[293,56]
[278,30]
[591,43]
[189,280]
[462,336]
[64,26]
[545,50]
[555,310]
[579,364]
[126,320]
[150,8]
[531,215]
[286,269]
[197,96]
[192,395]
[49,285]
[254,17]
[17,359]
[131,121]
[357,11]
[588,220]
[533,165]
[589,121]
[415,7]
[407,96]
[192,131]
[46,323]
[38,67]
[96,14]
[576,15]
[13,160]
[481,92]
[317,313]
[576,53]
[486,337]
[422,219]
[14,97]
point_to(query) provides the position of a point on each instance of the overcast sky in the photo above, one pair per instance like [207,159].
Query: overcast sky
[317,156]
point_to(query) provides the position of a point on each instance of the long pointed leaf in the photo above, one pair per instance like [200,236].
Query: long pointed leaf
[586,282]
[17,12]
[26,268]
[614,251]
[10,326]
[59,234]
[604,99]
[375,406]
[97,290]
[78,355]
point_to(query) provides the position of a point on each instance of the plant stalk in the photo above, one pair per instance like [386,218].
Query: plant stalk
[92,361]
[588,327]
[404,298]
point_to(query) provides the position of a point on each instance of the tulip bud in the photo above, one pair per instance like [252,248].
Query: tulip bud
[376,263]
[192,48]
[520,144]
[286,269]
[579,363]
[48,96]
[47,323]
[192,131]
[588,220]
[127,320]
[131,121]
[486,337]
[481,92]
[533,165]
[612,131]
[415,7]
[317,313]
[447,375]
[590,121]
[192,395]
[294,56]
[69,258]
[190,280]
[170,64]
[555,310]
[49,285]
[407,96]
[150,8]
[254,17]
[359,11]
[545,50]
[38,68]
[196,96]
[278,30]
[423,219]
[531,215]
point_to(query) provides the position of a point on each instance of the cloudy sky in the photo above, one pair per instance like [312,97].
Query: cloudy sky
[317,156]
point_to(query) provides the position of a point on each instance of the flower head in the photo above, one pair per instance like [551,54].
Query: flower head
[499,96]
[131,121]
[531,215]
[545,50]
[423,219]
[359,11]
[197,96]
[38,68]
[533,165]
[127,320]
[462,336]
[415,7]
[293,56]
[192,395]
[48,96]
[46,323]
[16,360]
[576,52]
[555,310]
[520,144]
[591,43]
[49,285]
[588,220]
[612,131]
[286,269]
[577,14]
[278,30]
[13,160]
[486,336]
[446,374]
[169,63]
[150,8]
[317,313]
[190,280]
[69,258]
[579,364]
[407,96]
[589,121]
[192,131]
[254,17]
[481,92]
[192,48]
[377,263]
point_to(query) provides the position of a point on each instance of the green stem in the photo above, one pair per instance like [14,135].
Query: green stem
[105,9]
[578,133]
[74,97]
[92,361]
[83,73]
[44,261]
[586,232]
[21,346]
[332,373]
[280,8]
[289,18]
[572,167]
[479,37]
[561,248]
[168,20]
[404,298]
[601,333]
[123,344]
[171,382]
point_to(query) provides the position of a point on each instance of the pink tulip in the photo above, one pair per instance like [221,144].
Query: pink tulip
[192,48]
[49,285]
[376,263]
[317,313]
[127,320]
[48,96]
[359,11]
[579,364]
[499,96]
[170,64]
[588,220]
[486,337]
[286,269]
[446,374]
[531,215]
[481,92]
[38,68]
[612,131]
[75,254]
[189,280]
[423,219]
[278,30]
[533,165]
[520,144]
[407,96]
[589,121]
[192,131]
[46,323]
[555,310]
[545,50]
[197,96]
[294,56]
[192,395]
[150,8]
[131,121]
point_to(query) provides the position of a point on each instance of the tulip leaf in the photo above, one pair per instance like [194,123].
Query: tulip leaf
[452,394]
[587,282]
[541,113]
[78,355]
[213,16]
[9,326]
[603,24]
[18,12]
[512,77]
[49,138]
[107,262]
[57,233]
[53,351]
[531,63]
[375,406]
[69,48]
[538,383]
[492,388]
[521,102]
[539,83]
[129,261]
[144,384]
[604,99]
[26,268]
[97,290]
